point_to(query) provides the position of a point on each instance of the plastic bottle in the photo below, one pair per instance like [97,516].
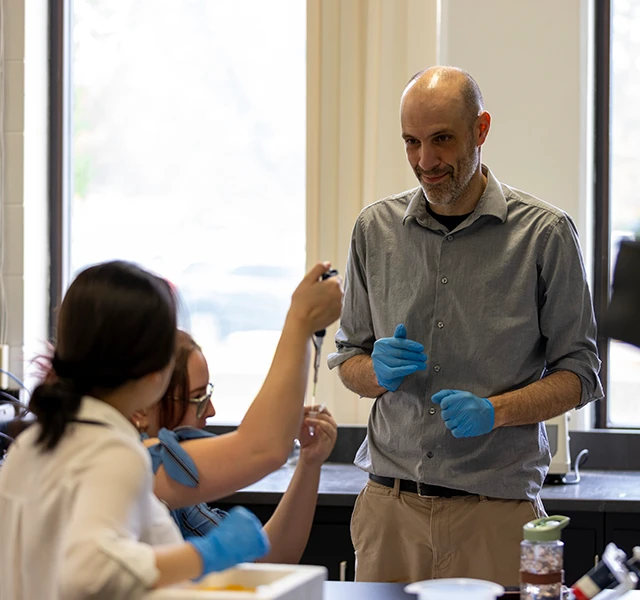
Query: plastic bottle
[541,559]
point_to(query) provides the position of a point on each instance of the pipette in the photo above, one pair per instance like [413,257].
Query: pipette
[318,338]
[317,344]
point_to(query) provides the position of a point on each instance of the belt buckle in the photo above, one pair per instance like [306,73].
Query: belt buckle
[420,494]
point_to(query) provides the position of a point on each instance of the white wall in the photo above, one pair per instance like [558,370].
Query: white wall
[529,59]
[24,189]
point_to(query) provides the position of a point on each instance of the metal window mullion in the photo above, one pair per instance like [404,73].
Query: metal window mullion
[602,183]
[59,151]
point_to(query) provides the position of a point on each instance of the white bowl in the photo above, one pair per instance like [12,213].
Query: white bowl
[458,588]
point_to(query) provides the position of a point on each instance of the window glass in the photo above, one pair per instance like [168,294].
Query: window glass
[624,360]
[188,157]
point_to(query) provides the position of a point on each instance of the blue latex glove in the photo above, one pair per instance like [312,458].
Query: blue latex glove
[464,414]
[396,357]
[239,538]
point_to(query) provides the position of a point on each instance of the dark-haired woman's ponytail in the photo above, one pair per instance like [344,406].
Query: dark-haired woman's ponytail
[55,404]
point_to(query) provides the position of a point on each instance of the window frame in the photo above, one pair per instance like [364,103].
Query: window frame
[602,196]
[59,161]
[602,186]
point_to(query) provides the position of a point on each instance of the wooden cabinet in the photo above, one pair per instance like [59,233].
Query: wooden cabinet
[623,529]
[329,541]
[584,539]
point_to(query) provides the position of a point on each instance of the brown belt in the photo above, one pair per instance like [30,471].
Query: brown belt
[422,489]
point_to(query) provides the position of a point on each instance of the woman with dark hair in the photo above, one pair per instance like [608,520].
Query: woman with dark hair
[182,414]
[78,517]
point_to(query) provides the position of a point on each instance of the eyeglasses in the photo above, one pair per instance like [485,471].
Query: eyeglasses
[203,401]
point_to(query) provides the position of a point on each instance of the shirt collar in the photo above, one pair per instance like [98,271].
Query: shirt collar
[92,409]
[492,203]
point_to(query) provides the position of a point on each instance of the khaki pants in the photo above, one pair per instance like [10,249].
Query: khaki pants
[401,537]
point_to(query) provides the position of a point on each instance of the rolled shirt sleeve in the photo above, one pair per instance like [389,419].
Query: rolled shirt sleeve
[355,335]
[567,323]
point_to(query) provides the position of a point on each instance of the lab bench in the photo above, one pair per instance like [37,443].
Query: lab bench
[604,507]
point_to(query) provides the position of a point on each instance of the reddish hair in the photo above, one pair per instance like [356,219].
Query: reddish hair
[173,405]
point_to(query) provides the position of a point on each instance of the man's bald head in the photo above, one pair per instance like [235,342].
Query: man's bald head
[444,126]
[449,82]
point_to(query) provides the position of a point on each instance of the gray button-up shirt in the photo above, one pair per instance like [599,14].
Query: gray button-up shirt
[499,302]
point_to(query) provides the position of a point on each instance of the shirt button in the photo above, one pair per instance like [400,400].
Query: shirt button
[444,280]
[432,411]
[436,368]
[430,454]
[440,324]
[450,238]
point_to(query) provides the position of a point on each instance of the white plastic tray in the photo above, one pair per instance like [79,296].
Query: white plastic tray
[271,582]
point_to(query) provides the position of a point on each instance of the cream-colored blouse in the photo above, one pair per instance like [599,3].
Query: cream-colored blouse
[80,521]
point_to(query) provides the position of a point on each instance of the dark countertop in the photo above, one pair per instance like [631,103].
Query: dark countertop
[340,483]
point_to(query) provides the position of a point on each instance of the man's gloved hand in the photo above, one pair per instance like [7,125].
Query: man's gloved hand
[396,357]
[464,414]
[239,538]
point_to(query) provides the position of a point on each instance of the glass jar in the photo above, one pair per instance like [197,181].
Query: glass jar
[541,559]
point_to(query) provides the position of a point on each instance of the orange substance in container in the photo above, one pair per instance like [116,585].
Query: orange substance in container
[232,587]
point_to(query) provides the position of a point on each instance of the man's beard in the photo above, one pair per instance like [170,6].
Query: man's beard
[453,186]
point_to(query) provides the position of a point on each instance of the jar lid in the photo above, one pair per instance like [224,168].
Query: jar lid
[546,529]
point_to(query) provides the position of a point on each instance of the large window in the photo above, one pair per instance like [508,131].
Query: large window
[186,136]
[619,172]
[188,157]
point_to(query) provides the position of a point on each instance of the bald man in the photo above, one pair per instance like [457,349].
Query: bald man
[468,317]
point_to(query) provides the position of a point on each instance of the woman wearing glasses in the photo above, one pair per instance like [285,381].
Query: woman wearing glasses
[191,468]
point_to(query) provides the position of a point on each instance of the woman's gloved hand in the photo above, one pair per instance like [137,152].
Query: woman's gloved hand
[396,357]
[239,538]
